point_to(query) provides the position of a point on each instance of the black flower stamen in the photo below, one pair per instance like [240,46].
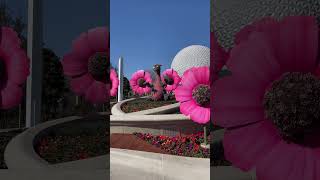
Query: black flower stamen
[293,103]
[98,67]
[201,94]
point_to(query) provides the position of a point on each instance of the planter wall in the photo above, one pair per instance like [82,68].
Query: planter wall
[20,153]
[170,125]
[116,109]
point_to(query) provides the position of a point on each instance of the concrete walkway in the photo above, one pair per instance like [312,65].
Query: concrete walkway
[139,165]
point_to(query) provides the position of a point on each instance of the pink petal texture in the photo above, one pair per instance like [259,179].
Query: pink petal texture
[99,39]
[293,162]
[9,39]
[17,66]
[147,77]
[80,84]
[236,103]
[218,57]
[183,94]
[81,47]
[237,99]
[97,93]
[134,82]
[11,96]
[171,74]
[114,81]
[73,65]
[200,115]
[267,23]
[245,146]
[296,45]
[187,107]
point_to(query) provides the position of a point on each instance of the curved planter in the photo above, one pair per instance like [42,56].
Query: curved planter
[170,125]
[20,153]
[116,109]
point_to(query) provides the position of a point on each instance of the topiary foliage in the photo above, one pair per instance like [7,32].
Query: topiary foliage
[158,90]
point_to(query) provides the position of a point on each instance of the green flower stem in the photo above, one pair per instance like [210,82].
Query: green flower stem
[205,135]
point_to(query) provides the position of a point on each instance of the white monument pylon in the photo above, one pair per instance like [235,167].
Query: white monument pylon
[120,75]
[34,51]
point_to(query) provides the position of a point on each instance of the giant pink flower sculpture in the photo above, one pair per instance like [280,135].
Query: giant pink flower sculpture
[140,82]
[171,79]
[194,94]
[88,65]
[270,104]
[14,68]
[114,82]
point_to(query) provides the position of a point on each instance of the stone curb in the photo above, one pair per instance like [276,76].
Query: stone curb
[116,109]
[20,154]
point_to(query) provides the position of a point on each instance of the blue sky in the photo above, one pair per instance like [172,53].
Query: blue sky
[65,20]
[147,32]
[144,32]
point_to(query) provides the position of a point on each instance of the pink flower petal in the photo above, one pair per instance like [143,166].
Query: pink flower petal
[97,93]
[17,66]
[245,146]
[202,75]
[187,107]
[9,39]
[264,24]
[236,102]
[183,94]
[296,44]
[99,39]
[254,61]
[81,84]
[285,161]
[200,115]
[81,47]
[73,65]
[11,96]
[189,80]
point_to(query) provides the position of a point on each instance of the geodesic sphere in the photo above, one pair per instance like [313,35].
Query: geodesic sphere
[191,56]
[229,16]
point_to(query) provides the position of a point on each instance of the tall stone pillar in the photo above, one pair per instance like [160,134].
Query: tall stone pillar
[120,75]
[34,50]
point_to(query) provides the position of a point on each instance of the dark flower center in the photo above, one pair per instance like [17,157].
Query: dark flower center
[168,80]
[201,94]
[142,82]
[293,103]
[98,66]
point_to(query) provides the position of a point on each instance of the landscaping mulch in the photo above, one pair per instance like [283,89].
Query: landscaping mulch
[65,148]
[132,142]
[144,104]
[182,146]
[5,138]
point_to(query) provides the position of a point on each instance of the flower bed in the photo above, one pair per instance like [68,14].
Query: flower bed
[59,149]
[144,104]
[5,137]
[178,145]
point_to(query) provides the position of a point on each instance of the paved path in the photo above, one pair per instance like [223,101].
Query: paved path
[138,165]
